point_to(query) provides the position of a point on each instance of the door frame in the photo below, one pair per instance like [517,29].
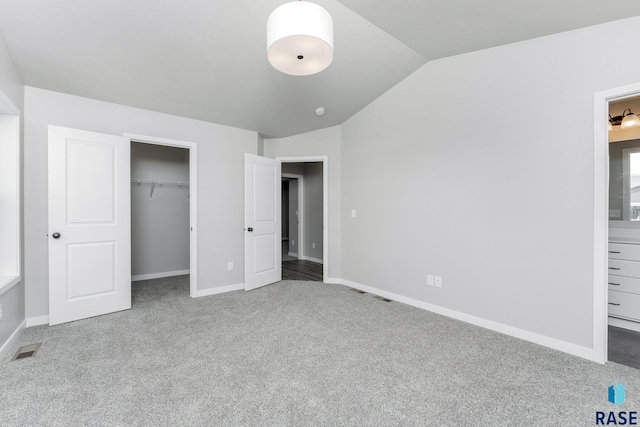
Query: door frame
[193,199]
[325,203]
[601,213]
[300,179]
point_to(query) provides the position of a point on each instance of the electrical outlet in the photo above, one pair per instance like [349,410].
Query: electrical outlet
[230,265]
[313,246]
[438,281]
[429,279]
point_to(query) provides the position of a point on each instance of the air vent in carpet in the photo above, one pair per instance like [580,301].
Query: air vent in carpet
[26,351]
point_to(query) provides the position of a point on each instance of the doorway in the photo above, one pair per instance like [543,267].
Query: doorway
[90,222]
[604,289]
[303,237]
[624,232]
[159,218]
[168,171]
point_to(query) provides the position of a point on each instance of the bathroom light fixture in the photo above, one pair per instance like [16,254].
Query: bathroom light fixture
[300,38]
[626,120]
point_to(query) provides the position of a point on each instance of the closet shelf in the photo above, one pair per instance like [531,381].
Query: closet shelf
[155,182]
[159,182]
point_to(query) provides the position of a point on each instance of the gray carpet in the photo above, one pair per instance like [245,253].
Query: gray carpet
[295,354]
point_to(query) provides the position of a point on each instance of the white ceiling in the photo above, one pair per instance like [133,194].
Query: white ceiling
[206,59]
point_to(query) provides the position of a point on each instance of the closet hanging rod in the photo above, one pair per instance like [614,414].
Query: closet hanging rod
[159,182]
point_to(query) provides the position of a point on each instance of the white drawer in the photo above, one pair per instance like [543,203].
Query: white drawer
[620,267]
[624,251]
[622,304]
[624,284]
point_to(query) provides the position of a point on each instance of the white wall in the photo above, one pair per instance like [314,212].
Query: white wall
[220,181]
[323,142]
[13,313]
[479,168]
[159,223]
[294,240]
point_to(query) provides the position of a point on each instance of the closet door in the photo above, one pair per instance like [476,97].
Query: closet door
[263,242]
[89,224]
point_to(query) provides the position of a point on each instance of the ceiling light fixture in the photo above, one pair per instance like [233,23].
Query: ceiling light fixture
[320,111]
[626,120]
[300,38]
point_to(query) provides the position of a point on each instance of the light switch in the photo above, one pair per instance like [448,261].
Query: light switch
[429,279]
[353,213]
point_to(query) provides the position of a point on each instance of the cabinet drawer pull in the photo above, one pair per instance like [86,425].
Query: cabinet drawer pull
[613,303]
[614,284]
[614,252]
[614,268]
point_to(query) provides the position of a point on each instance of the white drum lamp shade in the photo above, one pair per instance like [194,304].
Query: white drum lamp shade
[300,38]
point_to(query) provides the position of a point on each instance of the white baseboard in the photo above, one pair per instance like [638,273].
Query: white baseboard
[312,259]
[159,275]
[219,290]
[333,281]
[8,345]
[576,350]
[37,321]
[295,254]
[626,324]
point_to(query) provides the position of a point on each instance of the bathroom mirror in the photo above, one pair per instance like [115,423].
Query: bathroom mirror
[624,180]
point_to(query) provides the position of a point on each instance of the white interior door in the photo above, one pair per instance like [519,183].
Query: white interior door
[262,243]
[89,224]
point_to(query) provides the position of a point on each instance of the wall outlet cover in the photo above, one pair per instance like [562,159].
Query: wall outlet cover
[230,265]
[438,281]
[430,279]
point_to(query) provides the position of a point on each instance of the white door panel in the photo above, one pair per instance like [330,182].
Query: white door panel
[262,222]
[89,224]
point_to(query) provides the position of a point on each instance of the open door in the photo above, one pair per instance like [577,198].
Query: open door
[262,243]
[89,224]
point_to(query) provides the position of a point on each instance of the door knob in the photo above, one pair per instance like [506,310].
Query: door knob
[55,235]
[249,229]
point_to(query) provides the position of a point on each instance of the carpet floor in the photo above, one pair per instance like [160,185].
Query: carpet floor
[295,354]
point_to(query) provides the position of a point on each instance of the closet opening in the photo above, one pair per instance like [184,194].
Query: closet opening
[303,221]
[160,220]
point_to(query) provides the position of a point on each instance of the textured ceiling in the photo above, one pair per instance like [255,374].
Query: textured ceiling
[206,59]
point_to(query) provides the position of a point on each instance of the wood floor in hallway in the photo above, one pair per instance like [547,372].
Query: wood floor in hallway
[301,270]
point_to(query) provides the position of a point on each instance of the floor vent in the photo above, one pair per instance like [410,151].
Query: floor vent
[383,298]
[26,351]
[358,291]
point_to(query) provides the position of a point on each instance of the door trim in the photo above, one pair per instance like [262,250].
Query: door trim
[601,213]
[300,179]
[325,204]
[193,198]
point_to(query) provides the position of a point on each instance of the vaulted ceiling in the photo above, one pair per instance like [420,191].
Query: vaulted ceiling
[206,59]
